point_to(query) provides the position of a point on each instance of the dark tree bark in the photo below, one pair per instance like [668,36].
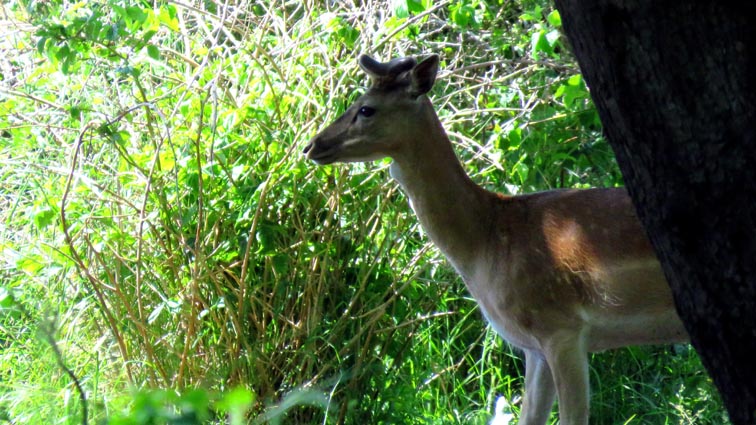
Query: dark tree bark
[674,83]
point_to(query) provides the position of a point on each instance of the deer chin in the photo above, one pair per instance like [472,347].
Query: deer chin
[324,158]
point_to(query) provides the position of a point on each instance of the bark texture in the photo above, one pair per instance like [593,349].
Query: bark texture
[674,83]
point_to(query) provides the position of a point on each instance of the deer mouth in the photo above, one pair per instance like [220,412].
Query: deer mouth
[321,156]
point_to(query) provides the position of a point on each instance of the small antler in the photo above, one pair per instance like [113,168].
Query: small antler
[383,73]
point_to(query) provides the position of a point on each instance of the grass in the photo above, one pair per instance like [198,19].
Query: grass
[158,223]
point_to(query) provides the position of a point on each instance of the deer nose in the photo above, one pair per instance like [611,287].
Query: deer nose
[308,147]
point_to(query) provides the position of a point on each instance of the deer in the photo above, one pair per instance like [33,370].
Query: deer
[558,274]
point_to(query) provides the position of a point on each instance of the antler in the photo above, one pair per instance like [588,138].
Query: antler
[383,73]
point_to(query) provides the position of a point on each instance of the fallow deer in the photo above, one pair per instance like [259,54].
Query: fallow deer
[558,274]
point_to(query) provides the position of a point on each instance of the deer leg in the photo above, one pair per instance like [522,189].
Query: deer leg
[539,390]
[567,357]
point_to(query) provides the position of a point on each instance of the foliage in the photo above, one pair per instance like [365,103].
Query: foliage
[158,222]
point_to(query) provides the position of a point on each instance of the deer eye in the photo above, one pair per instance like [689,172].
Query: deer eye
[366,111]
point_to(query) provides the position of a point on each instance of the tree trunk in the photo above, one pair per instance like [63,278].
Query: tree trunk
[674,83]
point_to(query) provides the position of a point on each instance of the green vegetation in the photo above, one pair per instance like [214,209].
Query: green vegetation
[164,243]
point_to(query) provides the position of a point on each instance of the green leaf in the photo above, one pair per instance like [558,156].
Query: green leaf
[573,90]
[266,237]
[155,313]
[330,21]
[553,37]
[119,10]
[415,6]
[554,18]
[75,112]
[9,306]
[532,15]
[30,265]
[540,44]
[462,14]
[560,91]
[136,14]
[236,403]
[44,216]
[148,36]
[258,10]
[68,63]
[515,138]
[6,299]
[400,9]
[41,43]
[167,17]
[405,8]
[153,52]
[63,53]
[196,402]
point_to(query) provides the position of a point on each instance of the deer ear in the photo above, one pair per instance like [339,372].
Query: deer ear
[385,73]
[423,75]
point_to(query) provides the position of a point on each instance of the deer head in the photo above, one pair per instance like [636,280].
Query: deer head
[383,121]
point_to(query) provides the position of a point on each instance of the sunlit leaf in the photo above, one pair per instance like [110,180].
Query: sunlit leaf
[554,18]
[540,44]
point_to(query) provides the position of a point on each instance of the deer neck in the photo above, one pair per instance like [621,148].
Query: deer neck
[452,209]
